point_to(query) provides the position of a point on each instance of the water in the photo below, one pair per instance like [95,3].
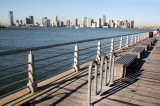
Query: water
[18,39]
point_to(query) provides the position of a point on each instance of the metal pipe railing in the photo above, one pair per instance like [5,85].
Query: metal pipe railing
[13,75]
[57,45]
[19,65]
[77,57]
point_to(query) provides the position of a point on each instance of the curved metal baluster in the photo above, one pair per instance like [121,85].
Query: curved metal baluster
[90,80]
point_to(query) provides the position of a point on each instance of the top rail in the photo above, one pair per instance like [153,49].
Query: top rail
[57,45]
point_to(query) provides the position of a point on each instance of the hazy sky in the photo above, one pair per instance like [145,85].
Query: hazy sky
[144,12]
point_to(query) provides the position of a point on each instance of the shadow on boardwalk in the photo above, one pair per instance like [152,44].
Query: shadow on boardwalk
[132,76]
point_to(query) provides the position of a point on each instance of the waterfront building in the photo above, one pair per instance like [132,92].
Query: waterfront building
[84,22]
[118,23]
[121,23]
[131,23]
[89,23]
[11,20]
[57,23]
[71,24]
[21,22]
[92,21]
[56,19]
[98,22]
[48,23]
[43,20]
[111,23]
[31,19]
[61,23]
[125,23]
[103,21]
[68,23]
[94,25]
[17,21]
[75,22]
[28,21]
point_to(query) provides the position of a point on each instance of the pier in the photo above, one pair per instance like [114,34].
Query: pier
[138,84]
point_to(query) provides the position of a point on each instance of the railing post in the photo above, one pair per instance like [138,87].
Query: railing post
[132,40]
[127,41]
[135,40]
[76,58]
[98,57]
[32,85]
[138,37]
[120,45]
[112,45]
[112,70]
[142,36]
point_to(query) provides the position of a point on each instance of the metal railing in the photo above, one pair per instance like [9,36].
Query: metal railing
[108,70]
[37,70]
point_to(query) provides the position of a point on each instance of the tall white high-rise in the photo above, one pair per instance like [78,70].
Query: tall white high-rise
[89,22]
[84,21]
[11,21]
[98,23]
[103,20]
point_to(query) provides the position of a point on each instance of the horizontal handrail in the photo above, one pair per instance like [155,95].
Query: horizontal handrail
[13,83]
[87,52]
[87,48]
[14,66]
[52,57]
[54,68]
[57,45]
[14,75]
[54,63]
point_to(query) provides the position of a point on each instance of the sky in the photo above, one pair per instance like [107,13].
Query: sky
[143,12]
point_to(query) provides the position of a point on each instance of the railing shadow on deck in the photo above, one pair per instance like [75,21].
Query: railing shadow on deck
[132,77]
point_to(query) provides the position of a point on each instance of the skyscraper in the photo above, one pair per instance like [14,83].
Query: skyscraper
[84,22]
[31,19]
[131,22]
[28,21]
[48,23]
[61,23]
[17,21]
[89,22]
[44,21]
[11,21]
[103,20]
[111,23]
[21,22]
[125,22]
[55,19]
[75,22]
[118,23]
[68,23]
[98,23]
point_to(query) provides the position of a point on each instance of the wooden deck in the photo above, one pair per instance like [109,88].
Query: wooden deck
[142,87]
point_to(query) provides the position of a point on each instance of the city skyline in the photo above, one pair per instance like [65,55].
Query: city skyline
[86,22]
[140,11]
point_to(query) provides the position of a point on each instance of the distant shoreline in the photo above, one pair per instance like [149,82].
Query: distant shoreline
[18,28]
